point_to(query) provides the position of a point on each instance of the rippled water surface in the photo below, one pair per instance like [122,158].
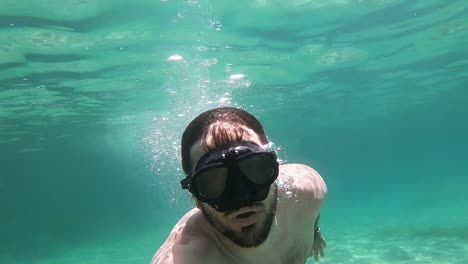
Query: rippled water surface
[94,96]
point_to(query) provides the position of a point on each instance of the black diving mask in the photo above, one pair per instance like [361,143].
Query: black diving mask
[232,176]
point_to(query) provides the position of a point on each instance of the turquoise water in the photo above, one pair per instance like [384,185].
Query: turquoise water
[94,96]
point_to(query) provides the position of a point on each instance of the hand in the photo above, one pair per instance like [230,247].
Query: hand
[319,245]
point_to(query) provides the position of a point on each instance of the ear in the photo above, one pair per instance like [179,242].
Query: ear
[197,203]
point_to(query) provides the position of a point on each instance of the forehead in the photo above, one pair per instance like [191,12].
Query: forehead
[199,148]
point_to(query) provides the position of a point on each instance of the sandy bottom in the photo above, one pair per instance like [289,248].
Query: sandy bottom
[378,246]
[398,245]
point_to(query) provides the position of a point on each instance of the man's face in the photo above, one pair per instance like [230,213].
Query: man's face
[248,226]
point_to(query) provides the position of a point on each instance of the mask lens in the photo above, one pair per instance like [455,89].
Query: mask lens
[211,182]
[259,168]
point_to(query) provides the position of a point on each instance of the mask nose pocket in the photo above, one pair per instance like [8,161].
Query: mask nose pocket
[242,192]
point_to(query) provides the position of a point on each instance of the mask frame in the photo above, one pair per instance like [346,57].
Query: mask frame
[241,188]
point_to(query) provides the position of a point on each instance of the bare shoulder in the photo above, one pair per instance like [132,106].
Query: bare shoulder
[187,243]
[195,251]
[303,179]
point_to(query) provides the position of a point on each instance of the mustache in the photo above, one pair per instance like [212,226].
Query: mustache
[255,204]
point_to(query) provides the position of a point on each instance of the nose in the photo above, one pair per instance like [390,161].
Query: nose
[243,192]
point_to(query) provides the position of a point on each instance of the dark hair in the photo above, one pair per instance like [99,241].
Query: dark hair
[231,121]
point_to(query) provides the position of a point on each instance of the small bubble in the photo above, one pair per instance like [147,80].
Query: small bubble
[174,58]
[223,100]
[234,77]
[289,194]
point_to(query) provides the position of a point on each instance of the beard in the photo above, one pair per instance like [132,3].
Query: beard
[249,236]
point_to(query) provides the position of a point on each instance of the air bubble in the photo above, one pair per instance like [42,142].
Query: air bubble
[235,77]
[175,58]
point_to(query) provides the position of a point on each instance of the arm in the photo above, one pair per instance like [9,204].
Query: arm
[319,245]
[311,192]
[318,191]
[316,228]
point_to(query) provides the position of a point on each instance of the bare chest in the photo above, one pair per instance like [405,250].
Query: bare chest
[296,253]
[296,246]
[287,253]
[290,246]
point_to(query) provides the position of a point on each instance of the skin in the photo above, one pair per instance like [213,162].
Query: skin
[300,194]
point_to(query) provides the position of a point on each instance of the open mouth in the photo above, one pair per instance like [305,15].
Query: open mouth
[245,215]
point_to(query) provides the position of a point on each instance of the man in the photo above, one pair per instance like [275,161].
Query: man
[249,209]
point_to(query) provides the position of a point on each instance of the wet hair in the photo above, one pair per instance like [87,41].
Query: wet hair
[217,127]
